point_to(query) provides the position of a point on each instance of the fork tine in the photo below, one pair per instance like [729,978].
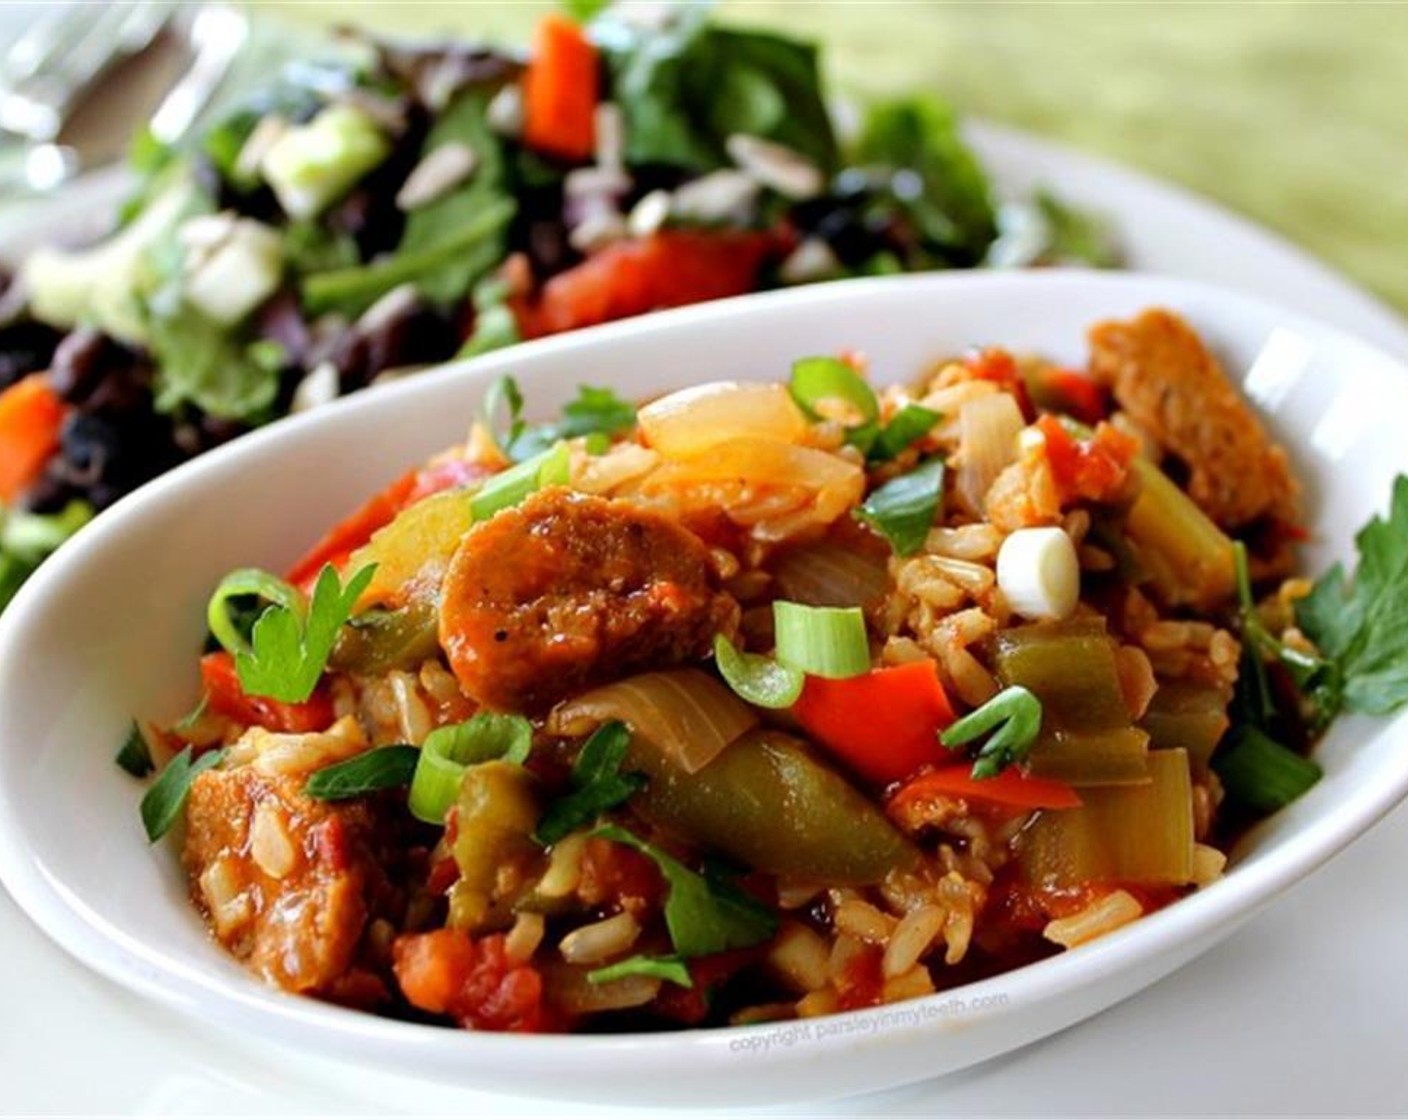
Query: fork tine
[41,41]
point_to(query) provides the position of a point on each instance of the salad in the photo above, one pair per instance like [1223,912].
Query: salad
[767,700]
[364,218]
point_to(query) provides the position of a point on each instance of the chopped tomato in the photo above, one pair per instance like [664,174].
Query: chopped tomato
[883,724]
[667,269]
[31,417]
[862,980]
[446,972]
[228,698]
[1010,789]
[617,875]
[1093,469]
[560,90]
[691,1005]
[1070,391]
[998,366]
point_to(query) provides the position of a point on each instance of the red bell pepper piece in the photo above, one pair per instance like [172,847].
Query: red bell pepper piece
[883,724]
[227,697]
[1011,789]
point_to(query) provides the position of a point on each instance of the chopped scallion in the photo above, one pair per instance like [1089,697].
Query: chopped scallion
[239,584]
[817,380]
[672,969]
[1015,713]
[135,756]
[508,488]
[757,679]
[447,751]
[1259,772]
[824,641]
[910,423]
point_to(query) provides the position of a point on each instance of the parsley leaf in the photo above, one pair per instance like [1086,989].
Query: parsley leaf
[594,412]
[135,756]
[382,768]
[704,914]
[167,798]
[597,784]
[1360,623]
[289,650]
[672,969]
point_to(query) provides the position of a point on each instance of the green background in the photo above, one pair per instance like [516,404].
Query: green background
[1294,114]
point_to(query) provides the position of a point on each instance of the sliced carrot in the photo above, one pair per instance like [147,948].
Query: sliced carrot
[227,697]
[1011,789]
[560,90]
[884,724]
[31,417]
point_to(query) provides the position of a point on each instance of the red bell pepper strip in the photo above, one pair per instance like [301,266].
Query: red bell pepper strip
[667,269]
[1011,789]
[560,91]
[1070,391]
[883,724]
[31,417]
[227,697]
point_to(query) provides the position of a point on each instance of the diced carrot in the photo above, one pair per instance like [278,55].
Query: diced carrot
[884,724]
[560,90]
[1010,789]
[227,697]
[31,418]
[668,269]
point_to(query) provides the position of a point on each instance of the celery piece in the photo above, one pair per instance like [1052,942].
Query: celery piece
[1188,558]
[1191,716]
[1130,834]
[310,167]
[1092,758]
[1070,666]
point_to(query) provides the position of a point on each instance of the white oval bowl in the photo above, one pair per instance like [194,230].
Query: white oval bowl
[110,628]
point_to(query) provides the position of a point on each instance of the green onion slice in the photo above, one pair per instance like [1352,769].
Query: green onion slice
[823,641]
[757,679]
[910,423]
[1015,713]
[819,379]
[1258,771]
[508,488]
[237,585]
[383,768]
[447,751]
[904,509]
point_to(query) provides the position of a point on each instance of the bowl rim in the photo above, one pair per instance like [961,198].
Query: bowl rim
[339,1031]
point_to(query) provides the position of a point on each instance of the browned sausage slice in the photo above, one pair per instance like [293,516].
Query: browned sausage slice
[566,591]
[1173,388]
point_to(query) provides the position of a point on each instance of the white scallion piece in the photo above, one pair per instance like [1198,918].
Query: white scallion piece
[1039,574]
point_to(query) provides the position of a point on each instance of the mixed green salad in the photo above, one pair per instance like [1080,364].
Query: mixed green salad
[403,205]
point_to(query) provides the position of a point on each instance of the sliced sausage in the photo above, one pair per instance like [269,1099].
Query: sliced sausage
[567,591]
[1169,384]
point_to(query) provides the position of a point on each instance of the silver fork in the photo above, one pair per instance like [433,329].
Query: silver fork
[46,71]
[59,57]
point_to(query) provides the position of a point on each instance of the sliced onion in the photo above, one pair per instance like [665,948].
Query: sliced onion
[836,482]
[831,575]
[694,420]
[685,714]
[988,428]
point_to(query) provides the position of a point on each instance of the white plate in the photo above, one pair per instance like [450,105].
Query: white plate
[108,628]
[1239,1031]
